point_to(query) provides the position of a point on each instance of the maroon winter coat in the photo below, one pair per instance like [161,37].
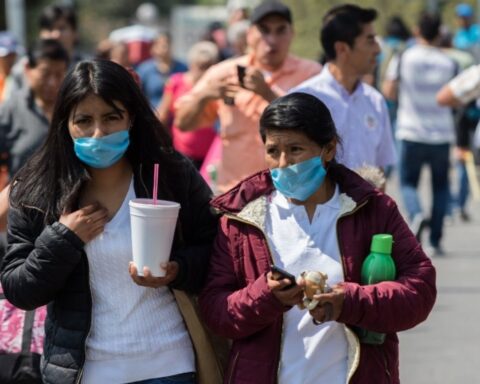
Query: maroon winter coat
[237,303]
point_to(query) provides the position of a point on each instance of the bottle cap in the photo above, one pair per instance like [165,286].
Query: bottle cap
[382,243]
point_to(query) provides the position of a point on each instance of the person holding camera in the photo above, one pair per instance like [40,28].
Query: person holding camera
[236,91]
[308,213]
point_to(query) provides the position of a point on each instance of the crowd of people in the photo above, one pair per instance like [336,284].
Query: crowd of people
[298,154]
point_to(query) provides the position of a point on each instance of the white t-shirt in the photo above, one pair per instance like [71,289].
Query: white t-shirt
[310,354]
[422,71]
[361,119]
[137,333]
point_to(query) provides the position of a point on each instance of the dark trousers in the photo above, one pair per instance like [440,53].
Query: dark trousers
[412,158]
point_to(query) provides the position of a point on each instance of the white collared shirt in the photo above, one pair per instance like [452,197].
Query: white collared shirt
[310,354]
[361,119]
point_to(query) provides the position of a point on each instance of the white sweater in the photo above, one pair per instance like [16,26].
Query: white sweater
[137,333]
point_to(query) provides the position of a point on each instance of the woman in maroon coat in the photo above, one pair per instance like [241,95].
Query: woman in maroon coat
[307,212]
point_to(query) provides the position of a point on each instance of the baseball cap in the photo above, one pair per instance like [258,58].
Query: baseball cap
[464,10]
[270,8]
[8,44]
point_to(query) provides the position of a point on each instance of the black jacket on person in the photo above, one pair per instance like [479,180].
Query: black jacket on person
[48,264]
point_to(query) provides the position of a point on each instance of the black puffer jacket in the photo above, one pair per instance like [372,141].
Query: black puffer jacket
[47,264]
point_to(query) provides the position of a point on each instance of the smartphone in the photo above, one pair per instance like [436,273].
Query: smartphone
[229,100]
[278,274]
[241,74]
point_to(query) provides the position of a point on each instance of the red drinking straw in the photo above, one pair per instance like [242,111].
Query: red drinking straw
[155,184]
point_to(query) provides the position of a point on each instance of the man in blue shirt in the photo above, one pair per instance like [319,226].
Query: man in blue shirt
[467,36]
[155,72]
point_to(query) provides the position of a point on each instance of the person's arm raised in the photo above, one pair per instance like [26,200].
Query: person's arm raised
[255,82]
[390,89]
[446,98]
[191,110]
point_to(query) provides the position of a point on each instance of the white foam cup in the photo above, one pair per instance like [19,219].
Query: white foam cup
[153,227]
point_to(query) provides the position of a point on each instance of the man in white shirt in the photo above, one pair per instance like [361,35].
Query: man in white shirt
[358,110]
[424,128]
[461,92]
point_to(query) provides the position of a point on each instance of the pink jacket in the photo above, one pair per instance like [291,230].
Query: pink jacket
[237,303]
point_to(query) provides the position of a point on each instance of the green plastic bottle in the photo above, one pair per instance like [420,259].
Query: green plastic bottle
[378,266]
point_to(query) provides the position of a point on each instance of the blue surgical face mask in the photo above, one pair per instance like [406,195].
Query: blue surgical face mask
[102,152]
[299,181]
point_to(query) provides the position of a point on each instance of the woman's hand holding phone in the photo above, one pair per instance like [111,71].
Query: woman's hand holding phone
[283,286]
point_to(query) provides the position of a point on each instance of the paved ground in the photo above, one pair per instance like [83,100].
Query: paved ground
[446,348]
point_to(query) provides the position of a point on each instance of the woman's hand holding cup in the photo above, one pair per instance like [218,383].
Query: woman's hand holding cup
[148,280]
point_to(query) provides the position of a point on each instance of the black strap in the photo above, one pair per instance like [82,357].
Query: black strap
[27,331]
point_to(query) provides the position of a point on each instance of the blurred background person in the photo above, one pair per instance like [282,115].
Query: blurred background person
[193,144]
[24,118]
[467,36]
[236,92]
[237,37]
[397,38]
[359,111]
[116,51]
[8,55]
[155,72]
[460,92]
[466,119]
[58,22]
[425,129]
[141,35]
[217,34]
[239,10]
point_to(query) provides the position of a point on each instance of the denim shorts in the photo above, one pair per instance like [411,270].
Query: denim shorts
[182,378]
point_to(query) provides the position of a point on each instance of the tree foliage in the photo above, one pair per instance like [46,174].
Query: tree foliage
[99,17]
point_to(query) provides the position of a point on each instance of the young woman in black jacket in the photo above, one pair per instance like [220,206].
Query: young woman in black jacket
[69,239]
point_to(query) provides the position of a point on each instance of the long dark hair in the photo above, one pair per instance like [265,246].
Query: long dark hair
[52,177]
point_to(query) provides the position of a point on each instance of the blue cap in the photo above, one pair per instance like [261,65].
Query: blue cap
[8,44]
[464,10]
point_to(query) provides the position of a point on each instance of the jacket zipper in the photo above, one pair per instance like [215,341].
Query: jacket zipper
[387,371]
[80,372]
[233,217]
[343,260]
[233,367]
[338,237]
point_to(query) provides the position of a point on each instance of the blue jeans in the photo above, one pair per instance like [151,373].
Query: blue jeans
[458,198]
[182,378]
[462,194]
[412,157]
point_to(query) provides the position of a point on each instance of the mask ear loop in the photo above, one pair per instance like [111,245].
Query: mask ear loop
[327,164]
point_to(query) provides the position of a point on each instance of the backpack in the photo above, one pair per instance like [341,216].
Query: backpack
[21,343]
